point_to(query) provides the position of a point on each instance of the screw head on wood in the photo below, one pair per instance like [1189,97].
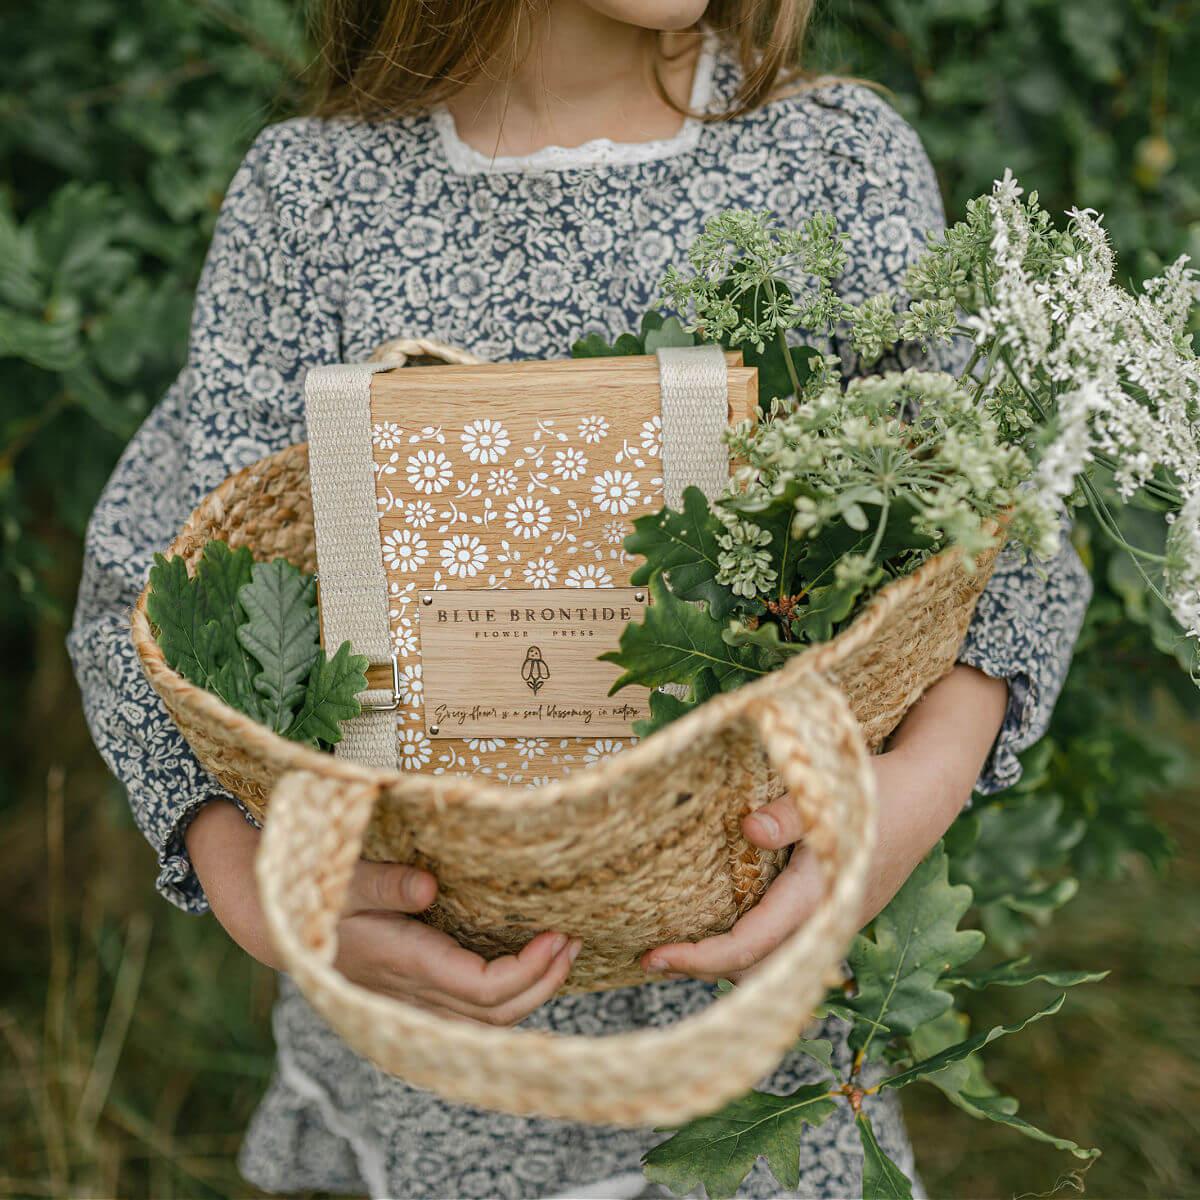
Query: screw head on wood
[639,596]
[426,599]
[433,730]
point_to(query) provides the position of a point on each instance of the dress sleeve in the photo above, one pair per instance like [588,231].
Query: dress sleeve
[266,309]
[1029,616]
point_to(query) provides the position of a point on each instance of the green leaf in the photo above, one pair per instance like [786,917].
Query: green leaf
[765,637]
[882,1179]
[685,546]
[666,707]
[331,697]
[1015,973]
[968,1046]
[818,1049]
[1012,855]
[282,633]
[51,343]
[594,346]
[175,608]
[669,333]
[719,1151]
[675,642]
[221,573]
[912,944]
[962,1082]
[196,629]
[828,606]
[995,1109]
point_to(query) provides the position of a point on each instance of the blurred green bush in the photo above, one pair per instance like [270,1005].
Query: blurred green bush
[121,122]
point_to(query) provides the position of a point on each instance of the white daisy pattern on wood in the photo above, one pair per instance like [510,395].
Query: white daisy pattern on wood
[527,516]
[588,575]
[429,471]
[415,749]
[502,482]
[485,441]
[463,556]
[593,429]
[615,491]
[569,464]
[404,550]
[540,573]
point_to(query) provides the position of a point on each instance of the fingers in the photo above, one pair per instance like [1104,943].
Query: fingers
[389,887]
[417,962]
[518,1007]
[783,909]
[775,825]
[434,961]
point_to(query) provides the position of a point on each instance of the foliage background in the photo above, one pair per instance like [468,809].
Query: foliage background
[134,1039]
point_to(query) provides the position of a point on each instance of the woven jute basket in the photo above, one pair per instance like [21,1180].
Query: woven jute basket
[640,850]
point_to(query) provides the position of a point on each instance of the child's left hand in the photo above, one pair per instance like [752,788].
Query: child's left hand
[922,783]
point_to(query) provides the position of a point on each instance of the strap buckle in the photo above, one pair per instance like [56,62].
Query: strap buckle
[379,705]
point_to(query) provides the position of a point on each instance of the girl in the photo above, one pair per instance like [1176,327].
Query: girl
[508,175]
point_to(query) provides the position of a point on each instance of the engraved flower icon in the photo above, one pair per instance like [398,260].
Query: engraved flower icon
[429,471]
[569,464]
[588,575]
[540,572]
[404,550]
[527,516]
[485,441]
[414,749]
[463,556]
[593,429]
[615,492]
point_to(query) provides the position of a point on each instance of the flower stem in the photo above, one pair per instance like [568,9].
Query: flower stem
[781,337]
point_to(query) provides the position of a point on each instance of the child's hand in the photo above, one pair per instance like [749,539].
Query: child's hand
[378,946]
[922,784]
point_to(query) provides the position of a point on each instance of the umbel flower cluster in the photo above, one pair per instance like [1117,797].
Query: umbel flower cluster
[1076,391]
[912,448]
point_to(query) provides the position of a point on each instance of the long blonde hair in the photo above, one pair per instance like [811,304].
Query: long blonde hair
[387,58]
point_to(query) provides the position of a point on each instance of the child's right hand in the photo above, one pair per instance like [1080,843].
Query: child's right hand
[379,947]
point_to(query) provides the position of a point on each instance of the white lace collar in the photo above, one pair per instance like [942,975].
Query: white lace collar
[466,160]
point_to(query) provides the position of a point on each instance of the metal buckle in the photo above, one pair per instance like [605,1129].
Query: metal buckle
[376,706]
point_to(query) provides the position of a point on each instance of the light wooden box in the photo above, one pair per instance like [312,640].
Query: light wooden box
[522,479]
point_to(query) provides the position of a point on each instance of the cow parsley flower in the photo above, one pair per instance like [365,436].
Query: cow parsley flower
[744,562]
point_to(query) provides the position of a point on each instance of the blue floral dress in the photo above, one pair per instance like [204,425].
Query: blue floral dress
[335,236]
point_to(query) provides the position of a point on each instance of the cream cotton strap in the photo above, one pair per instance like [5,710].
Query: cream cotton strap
[353,586]
[694,395]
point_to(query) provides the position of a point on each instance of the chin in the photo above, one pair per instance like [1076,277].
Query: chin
[665,16]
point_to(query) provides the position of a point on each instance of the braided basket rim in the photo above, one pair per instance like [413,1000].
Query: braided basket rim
[205,709]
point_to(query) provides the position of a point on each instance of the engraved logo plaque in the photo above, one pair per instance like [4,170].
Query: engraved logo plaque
[523,663]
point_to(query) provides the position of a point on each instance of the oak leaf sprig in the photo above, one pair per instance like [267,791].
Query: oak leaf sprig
[249,633]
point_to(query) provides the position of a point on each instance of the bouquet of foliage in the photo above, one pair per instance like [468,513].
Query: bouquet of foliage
[1074,387]
[1075,390]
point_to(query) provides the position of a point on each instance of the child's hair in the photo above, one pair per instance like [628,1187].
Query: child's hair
[387,58]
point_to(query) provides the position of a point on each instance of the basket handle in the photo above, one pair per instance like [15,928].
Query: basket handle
[311,842]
